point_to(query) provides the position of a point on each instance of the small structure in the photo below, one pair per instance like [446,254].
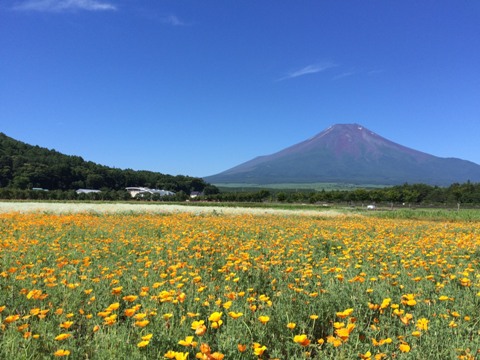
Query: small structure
[194,194]
[87,191]
[371,207]
[138,192]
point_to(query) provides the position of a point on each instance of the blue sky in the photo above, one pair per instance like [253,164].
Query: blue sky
[196,87]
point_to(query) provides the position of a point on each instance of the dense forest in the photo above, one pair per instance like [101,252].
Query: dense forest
[25,167]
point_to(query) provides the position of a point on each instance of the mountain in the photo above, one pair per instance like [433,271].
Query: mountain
[352,154]
[23,166]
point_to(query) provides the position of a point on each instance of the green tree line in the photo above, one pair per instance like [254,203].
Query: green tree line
[23,167]
[407,194]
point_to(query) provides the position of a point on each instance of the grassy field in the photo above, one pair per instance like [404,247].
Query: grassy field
[141,285]
[430,214]
[295,186]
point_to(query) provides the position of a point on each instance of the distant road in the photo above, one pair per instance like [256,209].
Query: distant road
[46,207]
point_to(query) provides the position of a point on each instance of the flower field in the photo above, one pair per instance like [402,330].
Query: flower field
[209,286]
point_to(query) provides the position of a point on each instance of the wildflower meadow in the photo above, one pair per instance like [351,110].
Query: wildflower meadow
[215,286]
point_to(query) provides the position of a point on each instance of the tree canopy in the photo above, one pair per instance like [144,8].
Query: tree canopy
[24,166]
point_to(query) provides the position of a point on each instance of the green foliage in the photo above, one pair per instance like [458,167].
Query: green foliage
[404,195]
[24,166]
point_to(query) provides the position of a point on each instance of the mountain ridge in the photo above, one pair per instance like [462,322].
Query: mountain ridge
[350,153]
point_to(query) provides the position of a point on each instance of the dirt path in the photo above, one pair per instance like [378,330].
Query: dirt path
[150,208]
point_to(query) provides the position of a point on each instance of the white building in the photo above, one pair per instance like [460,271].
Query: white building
[86,191]
[136,191]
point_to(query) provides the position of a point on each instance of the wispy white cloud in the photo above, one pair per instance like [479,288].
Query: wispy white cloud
[173,20]
[344,75]
[307,70]
[64,5]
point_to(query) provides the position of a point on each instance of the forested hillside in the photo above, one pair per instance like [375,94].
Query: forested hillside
[23,166]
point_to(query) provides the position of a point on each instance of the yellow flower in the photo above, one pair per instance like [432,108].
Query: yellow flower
[291,325]
[227,305]
[406,319]
[141,323]
[129,312]
[345,313]
[176,355]
[215,319]
[216,356]
[366,356]
[104,314]
[167,316]
[130,298]
[241,347]
[140,316]
[196,324]
[188,342]
[422,324]
[336,342]
[22,327]
[404,347]
[314,317]
[264,319]
[259,350]
[110,320]
[235,315]
[66,324]
[381,341]
[170,354]
[117,290]
[205,349]
[11,318]
[181,356]
[147,337]
[62,336]
[409,299]
[301,339]
[61,352]
[143,343]
[385,303]
[202,329]
[344,333]
[113,307]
